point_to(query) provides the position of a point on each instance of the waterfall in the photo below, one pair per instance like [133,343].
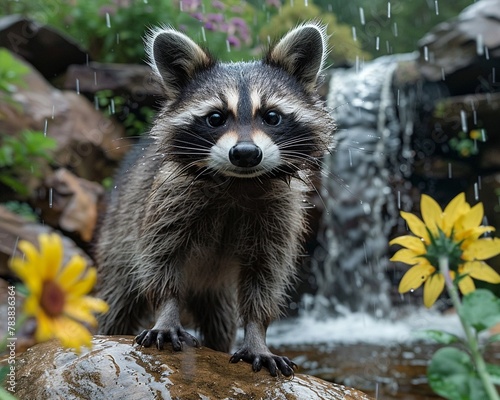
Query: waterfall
[371,148]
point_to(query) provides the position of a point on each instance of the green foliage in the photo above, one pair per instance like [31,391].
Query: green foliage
[465,145]
[438,336]
[135,123]
[22,209]
[481,309]
[11,72]
[343,47]
[24,157]
[452,375]
[459,375]
[408,22]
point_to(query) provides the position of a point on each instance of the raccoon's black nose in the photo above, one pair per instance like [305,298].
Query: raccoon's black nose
[245,155]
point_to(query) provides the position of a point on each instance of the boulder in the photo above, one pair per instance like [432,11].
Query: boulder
[47,49]
[69,203]
[115,369]
[88,143]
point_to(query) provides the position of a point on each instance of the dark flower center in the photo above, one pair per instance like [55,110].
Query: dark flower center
[53,299]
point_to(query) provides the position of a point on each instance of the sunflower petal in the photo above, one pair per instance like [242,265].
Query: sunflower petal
[71,272]
[410,242]
[83,309]
[481,271]
[406,256]
[25,272]
[482,249]
[414,277]
[45,327]
[433,287]
[51,248]
[32,256]
[84,285]
[72,334]
[431,214]
[455,208]
[473,218]
[466,285]
[417,227]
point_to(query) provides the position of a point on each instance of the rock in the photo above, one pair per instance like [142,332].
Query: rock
[69,203]
[466,46]
[136,81]
[114,369]
[88,143]
[47,49]
[13,228]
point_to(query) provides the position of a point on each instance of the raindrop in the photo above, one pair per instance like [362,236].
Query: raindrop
[203,34]
[95,78]
[50,197]
[486,53]
[377,43]
[350,157]
[436,6]
[45,126]
[476,192]
[483,135]
[362,15]
[493,75]
[397,98]
[306,3]
[463,119]
[450,174]
[108,20]
[96,102]
[479,45]
[53,112]
[426,53]
[228,46]
[117,38]
[77,83]
[395,29]
[479,182]
[412,290]
[443,75]
[474,117]
[388,9]
[399,200]
[112,106]
[354,37]
[87,59]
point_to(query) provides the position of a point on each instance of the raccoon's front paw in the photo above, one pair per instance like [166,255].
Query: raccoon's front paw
[269,360]
[176,335]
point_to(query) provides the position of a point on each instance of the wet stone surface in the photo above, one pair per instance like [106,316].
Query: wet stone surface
[114,369]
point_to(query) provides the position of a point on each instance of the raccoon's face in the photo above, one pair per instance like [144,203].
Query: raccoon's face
[242,120]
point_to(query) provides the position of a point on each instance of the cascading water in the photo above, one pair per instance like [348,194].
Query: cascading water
[371,148]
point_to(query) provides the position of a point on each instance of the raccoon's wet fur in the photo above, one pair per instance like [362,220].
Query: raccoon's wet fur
[207,216]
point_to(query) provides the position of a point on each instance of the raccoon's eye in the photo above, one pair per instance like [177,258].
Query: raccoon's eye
[272,118]
[215,119]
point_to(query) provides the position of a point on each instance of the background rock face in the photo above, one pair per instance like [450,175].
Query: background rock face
[114,369]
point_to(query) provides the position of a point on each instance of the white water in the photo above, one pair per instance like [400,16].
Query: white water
[359,328]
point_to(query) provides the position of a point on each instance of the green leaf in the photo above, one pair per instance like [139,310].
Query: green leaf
[481,309]
[438,336]
[494,372]
[452,375]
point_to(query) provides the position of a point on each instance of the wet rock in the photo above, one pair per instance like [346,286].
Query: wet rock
[88,143]
[13,228]
[134,81]
[48,50]
[463,48]
[69,203]
[114,369]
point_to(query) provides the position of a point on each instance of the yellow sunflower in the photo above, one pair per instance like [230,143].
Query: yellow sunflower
[454,233]
[57,294]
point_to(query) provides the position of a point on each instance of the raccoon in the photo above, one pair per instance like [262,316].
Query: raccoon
[207,215]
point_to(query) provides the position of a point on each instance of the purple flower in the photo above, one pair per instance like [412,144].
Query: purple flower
[110,10]
[274,3]
[218,5]
[233,41]
[215,18]
[239,23]
[189,5]
[197,15]
[209,26]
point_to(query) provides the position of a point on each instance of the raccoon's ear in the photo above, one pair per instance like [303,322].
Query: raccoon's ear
[301,53]
[175,58]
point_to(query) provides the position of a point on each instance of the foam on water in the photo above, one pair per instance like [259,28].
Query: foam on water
[359,327]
